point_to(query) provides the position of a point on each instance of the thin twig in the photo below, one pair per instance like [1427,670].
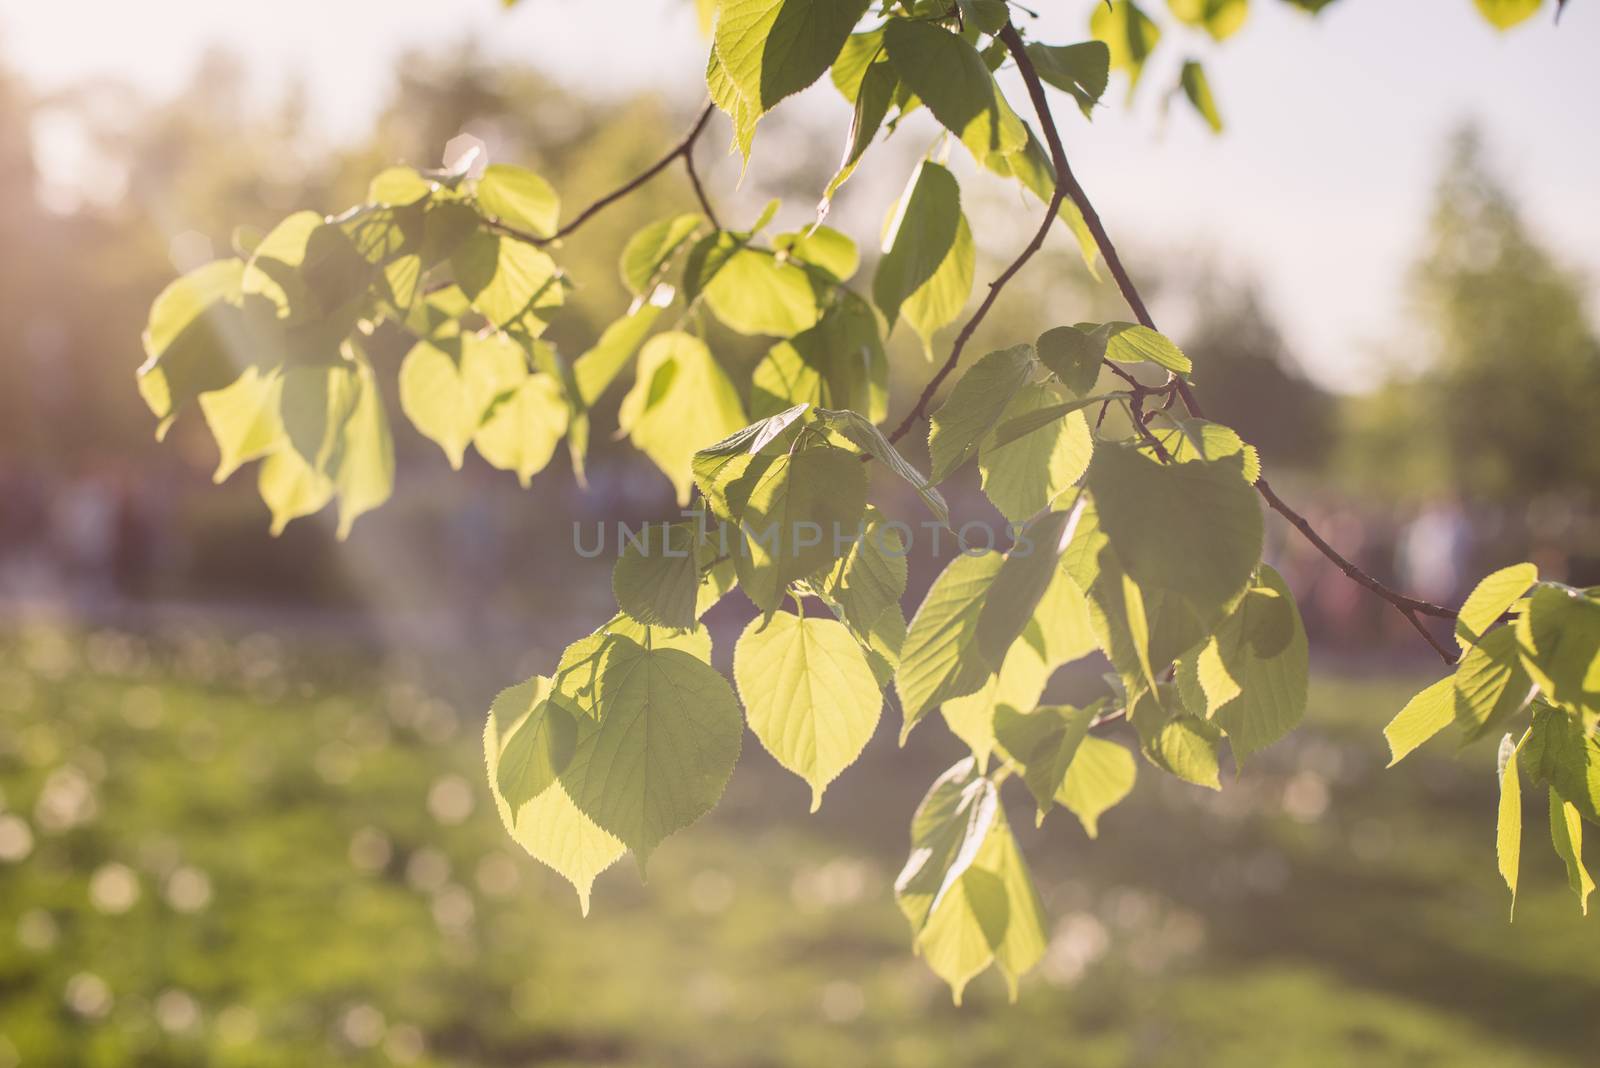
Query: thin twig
[921,407]
[699,190]
[682,149]
[1410,607]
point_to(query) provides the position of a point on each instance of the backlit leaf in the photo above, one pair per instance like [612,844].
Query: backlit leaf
[681,400]
[975,406]
[947,74]
[809,695]
[674,723]
[519,198]
[1080,69]
[939,660]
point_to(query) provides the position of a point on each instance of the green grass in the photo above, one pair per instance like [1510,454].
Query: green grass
[321,879]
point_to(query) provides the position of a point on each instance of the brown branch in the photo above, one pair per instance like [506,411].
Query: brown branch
[694,180]
[1410,607]
[682,150]
[921,407]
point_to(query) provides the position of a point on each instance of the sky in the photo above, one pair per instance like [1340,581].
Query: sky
[1318,189]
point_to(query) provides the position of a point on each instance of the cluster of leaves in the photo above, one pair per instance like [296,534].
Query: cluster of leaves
[1144,544]
[1530,653]
[1145,549]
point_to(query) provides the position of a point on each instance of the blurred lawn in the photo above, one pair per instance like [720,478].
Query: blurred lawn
[233,854]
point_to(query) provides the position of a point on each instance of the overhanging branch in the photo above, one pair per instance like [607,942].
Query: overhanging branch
[1410,607]
[684,149]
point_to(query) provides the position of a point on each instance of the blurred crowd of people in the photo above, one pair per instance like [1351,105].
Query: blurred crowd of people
[109,538]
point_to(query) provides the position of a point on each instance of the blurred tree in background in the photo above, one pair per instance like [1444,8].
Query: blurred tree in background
[1498,403]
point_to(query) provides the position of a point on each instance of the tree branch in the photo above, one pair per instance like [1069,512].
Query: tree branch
[684,149]
[1410,607]
[921,407]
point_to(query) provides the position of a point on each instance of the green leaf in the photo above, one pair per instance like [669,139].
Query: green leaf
[1563,753]
[860,52]
[792,513]
[1491,599]
[1196,439]
[1074,355]
[1508,832]
[1128,33]
[1251,675]
[364,475]
[1491,685]
[975,405]
[1101,774]
[1220,18]
[856,429]
[1193,529]
[1017,685]
[773,48]
[1020,584]
[1026,929]
[1137,629]
[1558,638]
[674,724]
[538,739]
[1044,742]
[871,105]
[1011,429]
[940,659]
[707,257]
[314,404]
[1131,343]
[523,429]
[839,363]
[1080,69]
[578,672]
[754,293]
[948,74]
[1566,833]
[939,301]
[244,419]
[1187,747]
[192,339]
[648,251]
[398,187]
[1197,88]
[871,576]
[657,576]
[947,831]
[273,272]
[1028,472]
[599,366]
[438,314]
[680,401]
[505,279]
[821,247]
[719,466]
[447,386]
[808,693]
[726,95]
[928,259]
[290,487]
[519,198]
[963,935]
[1425,715]
[1504,14]
[550,827]
[988,16]
[1065,632]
